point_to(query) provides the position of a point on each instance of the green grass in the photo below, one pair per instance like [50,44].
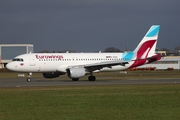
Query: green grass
[125,102]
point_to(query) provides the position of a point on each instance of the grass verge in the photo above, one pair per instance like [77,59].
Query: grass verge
[91,102]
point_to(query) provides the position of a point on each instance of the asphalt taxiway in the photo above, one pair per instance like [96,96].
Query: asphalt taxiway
[21,82]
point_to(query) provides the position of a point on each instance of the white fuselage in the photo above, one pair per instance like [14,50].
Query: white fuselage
[52,62]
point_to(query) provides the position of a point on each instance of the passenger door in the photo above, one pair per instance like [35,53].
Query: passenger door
[32,60]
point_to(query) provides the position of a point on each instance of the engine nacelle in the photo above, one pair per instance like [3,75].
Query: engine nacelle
[76,72]
[52,74]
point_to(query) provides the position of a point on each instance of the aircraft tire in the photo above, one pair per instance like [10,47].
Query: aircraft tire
[91,78]
[28,79]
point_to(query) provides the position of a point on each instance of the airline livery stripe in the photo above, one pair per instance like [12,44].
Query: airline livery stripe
[153,31]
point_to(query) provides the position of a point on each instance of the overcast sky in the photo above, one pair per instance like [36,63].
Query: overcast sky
[88,25]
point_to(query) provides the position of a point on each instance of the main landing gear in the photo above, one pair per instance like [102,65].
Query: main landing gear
[90,78]
[29,77]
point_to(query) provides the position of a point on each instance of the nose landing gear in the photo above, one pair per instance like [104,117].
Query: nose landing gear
[29,77]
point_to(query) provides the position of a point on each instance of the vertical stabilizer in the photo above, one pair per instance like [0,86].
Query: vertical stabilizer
[146,48]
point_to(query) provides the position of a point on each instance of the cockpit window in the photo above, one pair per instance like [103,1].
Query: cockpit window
[18,59]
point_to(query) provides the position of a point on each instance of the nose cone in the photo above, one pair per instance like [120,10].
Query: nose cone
[9,66]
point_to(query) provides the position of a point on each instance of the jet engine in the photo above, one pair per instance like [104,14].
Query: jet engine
[52,74]
[76,72]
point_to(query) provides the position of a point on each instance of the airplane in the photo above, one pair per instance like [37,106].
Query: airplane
[77,65]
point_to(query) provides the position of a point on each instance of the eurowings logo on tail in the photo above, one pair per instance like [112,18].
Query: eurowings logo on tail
[148,42]
[146,47]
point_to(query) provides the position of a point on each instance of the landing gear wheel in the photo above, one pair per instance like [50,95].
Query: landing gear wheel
[28,79]
[91,78]
[75,79]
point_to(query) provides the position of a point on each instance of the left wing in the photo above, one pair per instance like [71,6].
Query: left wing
[100,65]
